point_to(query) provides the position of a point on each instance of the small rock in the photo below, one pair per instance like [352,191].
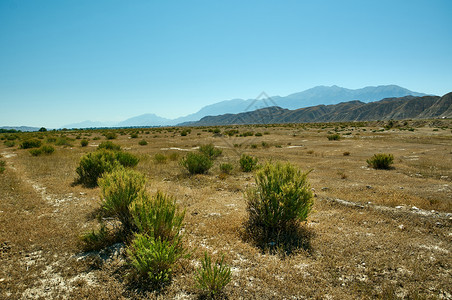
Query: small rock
[399,207]
[325,188]
[401,187]
[401,227]
[444,177]
[439,224]
[414,208]
[368,186]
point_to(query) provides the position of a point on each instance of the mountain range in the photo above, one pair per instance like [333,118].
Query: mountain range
[319,95]
[408,107]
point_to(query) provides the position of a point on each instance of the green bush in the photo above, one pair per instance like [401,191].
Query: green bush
[134,136]
[110,135]
[154,259]
[33,143]
[196,163]
[248,163]
[93,165]
[212,279]
[127,159]
[95,240]
[160,158]
[142,143]
[173,156]
[281,200]
[119,189]
[210,151]
[9,143]
[84,143]
[258,134]
[226,168]
[2,166]
[109,146]
[63,141]
[47,149]
[158,217]
[333,137]
[381,161]
[35,152]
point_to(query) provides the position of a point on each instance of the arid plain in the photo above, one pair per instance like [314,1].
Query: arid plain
[382,234]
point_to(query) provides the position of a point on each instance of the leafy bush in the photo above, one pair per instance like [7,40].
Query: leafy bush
[109,146]
[196,163]
[9,143]
[95,240]
[158,217]
[173,156]
[33,143]
[281,200]
[210,151]
[119,189]
[247,163]
[84,143]
[127,159]
[160,158]
[63,141]
[2,166]
[381,161]
[226,168]
[142,143]
[47,149]
[93,165]
[134,135]
[153,259]
[110,135]
[35,152]
[258,134]
[334,137]
[212,279]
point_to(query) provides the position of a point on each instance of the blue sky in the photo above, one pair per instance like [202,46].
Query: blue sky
[68,61]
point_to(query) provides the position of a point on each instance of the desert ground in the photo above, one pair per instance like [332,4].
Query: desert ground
[372,234]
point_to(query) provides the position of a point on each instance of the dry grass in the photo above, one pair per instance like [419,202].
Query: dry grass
[355,253]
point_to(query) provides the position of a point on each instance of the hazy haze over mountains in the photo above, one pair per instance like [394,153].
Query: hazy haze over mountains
[315,96]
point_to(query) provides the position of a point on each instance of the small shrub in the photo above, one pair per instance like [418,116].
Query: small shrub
[108,145]
[84,143]
[160,158]
[210,151]
[258,134]
[265,144]
[127,159]
[9,143]
[173,156]
[226,168]
[96,138]
[47,149]
[183,133]
[212,279]
[281,200]
[153,259]
[248,163]
[95,240]
[2,166]
[196,163]
[346,153]
[381,161]
[253,146]
[110,135]
[334,137]
[33,143]
[142,143]
[134,136]
[93,165]
[35,152]
[63,141]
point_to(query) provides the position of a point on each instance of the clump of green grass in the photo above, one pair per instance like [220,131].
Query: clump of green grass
[226,168]
[134,136]
[173,156]
[110,135]
[196,163]
[142,143]
[2,166]
[248,163]
[10,143]
[381,161]
[334,137]
[45,149]
[281,200]
[63,141]
[160,158]
[32,143]
[210,151]
[84,143]
[211,279]
[108,145]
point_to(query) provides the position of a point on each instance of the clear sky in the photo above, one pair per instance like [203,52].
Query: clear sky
[104,60]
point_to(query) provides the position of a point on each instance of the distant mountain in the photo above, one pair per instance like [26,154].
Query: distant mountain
[21,128]
[408,107]
[315,96]
[146,120]
[89,124]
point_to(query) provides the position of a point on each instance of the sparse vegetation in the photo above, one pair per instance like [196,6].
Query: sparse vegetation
[210,151]
[142,143]
[334,137]
[110,135]
[84,143]
[226,168]
[160,158]
[211,279]
[2,166]
[381,161]
[108,145]
[32,143]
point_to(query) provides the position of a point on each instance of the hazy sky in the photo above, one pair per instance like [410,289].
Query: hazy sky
[68,61]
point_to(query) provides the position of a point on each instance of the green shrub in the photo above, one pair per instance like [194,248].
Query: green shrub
[142,143]
[127,159]
[248,163]
[226,168]
[47,149]
[2,166]
[210,151]
[9,143]
[173,156]
[281,200]
[258,134]
[346,153]
[196,163]
[119,189]
[33,143]
[84,143]
[134,135]
[51,139]
[158,217]
[110,135]
[154,259]
[93,165]
[253,146]
[35,152]
[95,240]
[381,161]
[160,158]
[109,146]
[212,279]
[183,133]
[334,137]
[63,141]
